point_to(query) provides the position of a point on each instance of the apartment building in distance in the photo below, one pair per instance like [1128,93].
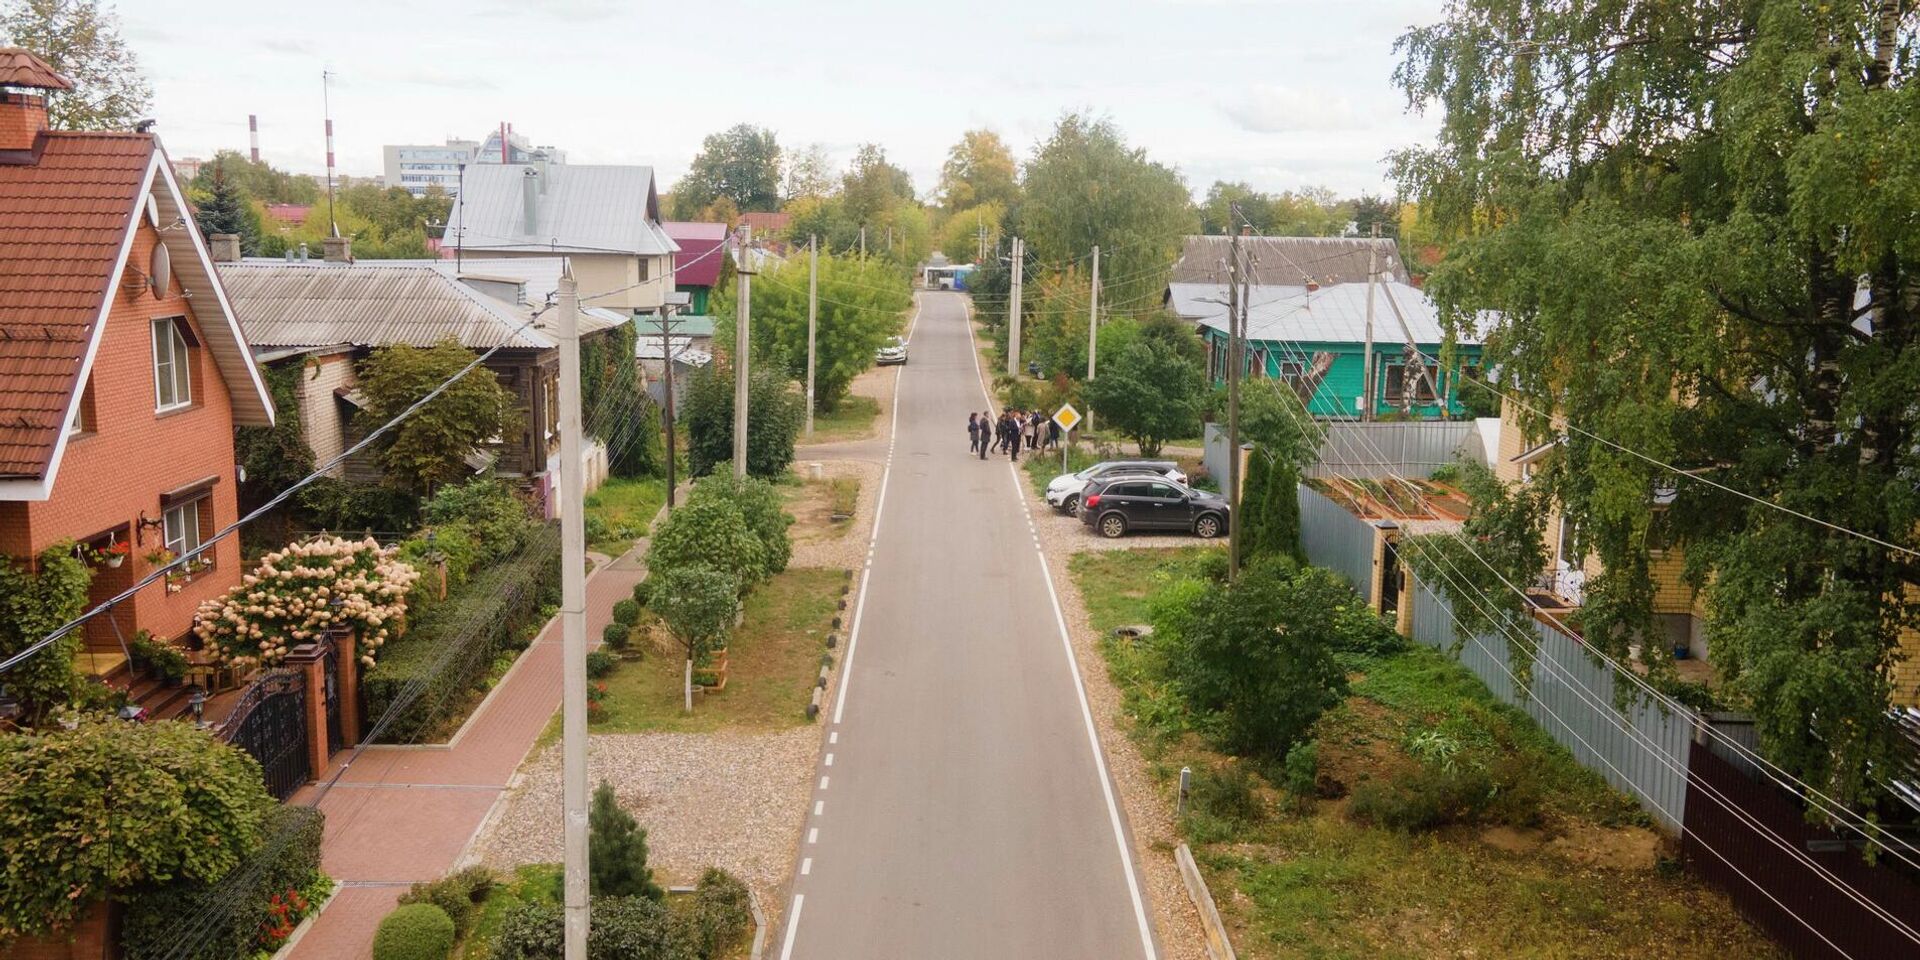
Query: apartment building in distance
[419,167]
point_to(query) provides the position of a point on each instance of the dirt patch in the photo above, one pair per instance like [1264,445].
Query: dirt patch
[1360,741]
[1617,848]
[820,509]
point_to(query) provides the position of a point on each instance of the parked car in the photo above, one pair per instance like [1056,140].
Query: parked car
[894,351]
[1117,505]
[1063,491]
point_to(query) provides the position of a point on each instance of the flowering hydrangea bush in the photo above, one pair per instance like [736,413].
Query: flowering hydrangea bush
[297,594]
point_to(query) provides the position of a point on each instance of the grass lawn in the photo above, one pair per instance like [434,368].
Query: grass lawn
[814,504]
[774,657]
[1043,468]
[618,513]
[1306,879]
[854,418]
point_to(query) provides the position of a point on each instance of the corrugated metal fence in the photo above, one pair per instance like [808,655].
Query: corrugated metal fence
[1642,750]
[1409,448]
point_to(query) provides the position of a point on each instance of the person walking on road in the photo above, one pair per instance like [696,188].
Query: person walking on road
[1053,434]
[1013,438]
[985,434]
[973,432]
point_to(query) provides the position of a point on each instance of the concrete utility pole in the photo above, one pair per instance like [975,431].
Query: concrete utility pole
[1013,308]
[740,349]
[666,363]
[813,318]
[863,241]
[1234,348]
[1366,358]
[573,621]
[1093,325]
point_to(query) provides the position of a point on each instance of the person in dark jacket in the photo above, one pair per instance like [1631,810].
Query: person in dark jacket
[986,433]
[973,432]
[1013,437]
[1053,434]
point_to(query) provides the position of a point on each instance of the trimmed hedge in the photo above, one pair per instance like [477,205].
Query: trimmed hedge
[615,635]
[722,914]
[600,663]
[626,612]
[417,931]
[457,894]
[497,610]
[288,859]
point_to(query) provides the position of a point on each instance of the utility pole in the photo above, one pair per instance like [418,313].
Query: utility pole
[1013,309]
[863,241]
[326,106]
[740,349]
[813,318]
[665,318]
[573,621]
[889,240]
[1366,358]
[980,228]
[1093,325]
[1234,516]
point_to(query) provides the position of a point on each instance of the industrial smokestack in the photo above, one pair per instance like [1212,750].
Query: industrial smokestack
[253,137]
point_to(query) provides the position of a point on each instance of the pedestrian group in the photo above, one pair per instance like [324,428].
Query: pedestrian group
[1006,433]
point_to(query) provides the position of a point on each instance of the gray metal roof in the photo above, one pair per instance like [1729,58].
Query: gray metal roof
[579,208]
[315,303]
[1290,260]
[1335,314]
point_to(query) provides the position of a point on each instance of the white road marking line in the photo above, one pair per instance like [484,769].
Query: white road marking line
[823,783]
[1086,712]
[813,834]
[873,542]
[793,926]
[833,737]
[829,759]
[806,866]
[819,806]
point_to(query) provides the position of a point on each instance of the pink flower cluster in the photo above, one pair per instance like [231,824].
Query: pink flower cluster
[297,594]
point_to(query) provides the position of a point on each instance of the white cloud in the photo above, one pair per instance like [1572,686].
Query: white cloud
[1269,108]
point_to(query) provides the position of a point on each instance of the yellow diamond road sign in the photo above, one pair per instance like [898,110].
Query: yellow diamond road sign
[1067,417]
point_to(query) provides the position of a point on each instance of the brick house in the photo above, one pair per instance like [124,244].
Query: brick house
[123,370]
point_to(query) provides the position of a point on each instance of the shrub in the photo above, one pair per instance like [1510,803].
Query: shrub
[1504,790]
[1230,793]
[697,605]
[1302,769]
[600,663]
[417,931]
[761,505]
[38,598]
[498,518]
[597,530]
[617,850]
[532,930]
[626,612]
[295,595]
[775,412]
[636,928]
[235,921]
[643,592]
[457,894]
[722,913]
[184,806]
[712,533]
[615,635]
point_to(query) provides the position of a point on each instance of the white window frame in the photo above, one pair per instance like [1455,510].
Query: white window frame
[180,527]
[176,365]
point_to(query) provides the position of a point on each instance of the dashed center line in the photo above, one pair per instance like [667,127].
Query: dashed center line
[819,806]
[806,866]
[823,783]
[813,834]
[829,759]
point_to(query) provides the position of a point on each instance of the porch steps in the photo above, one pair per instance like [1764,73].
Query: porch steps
[161,701]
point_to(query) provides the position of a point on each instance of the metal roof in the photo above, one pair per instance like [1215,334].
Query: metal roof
[695,265]
[316,303]
[1290,260]
[579,208]
[1335,314]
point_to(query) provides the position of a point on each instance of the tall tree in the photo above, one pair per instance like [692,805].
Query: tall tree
[1086,186]
[1149,392]
[873,186]
[260,180]
[810,173]
[979,169]
[862,302]
[227,210]
[430,447]
[83,43]
[740,163]
[1696,221]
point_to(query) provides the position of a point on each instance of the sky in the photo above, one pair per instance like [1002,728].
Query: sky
[1278,93]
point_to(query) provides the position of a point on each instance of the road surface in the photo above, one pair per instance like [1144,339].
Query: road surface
[962,809]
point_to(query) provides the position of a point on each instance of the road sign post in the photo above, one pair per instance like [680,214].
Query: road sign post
[1068,418]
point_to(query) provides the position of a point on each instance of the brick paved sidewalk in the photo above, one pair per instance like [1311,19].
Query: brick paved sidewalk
[404,814]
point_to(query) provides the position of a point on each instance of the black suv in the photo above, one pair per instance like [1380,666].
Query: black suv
[1115,505]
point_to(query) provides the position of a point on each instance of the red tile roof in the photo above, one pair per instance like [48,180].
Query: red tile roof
[18,68]
[62,220]
[696,265]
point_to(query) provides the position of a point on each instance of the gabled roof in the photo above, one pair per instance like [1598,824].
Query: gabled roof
[766,223]
[1290,261]
[68,215]
[696,265]
[579,208]
[1336,314]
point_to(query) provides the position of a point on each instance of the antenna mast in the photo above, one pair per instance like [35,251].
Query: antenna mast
[326,106]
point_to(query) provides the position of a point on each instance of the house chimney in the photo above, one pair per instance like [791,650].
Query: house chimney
[337,249]
[225,247]
[23,108]
[530,201]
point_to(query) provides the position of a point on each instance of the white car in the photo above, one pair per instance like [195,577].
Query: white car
[894,351]
[1063,491]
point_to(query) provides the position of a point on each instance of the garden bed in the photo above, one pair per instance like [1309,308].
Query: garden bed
[1574,871]
[821,509]
[620,511]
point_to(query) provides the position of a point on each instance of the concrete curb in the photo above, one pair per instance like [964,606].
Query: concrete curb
[1218,946]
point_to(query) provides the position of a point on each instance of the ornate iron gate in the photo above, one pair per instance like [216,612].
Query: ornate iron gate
[330,667]
[270,724]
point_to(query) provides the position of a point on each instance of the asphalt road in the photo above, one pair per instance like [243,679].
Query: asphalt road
[962,809]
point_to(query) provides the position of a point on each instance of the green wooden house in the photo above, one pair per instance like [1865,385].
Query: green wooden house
[1317,334]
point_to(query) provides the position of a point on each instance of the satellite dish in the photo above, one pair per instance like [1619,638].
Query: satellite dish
[160,270]
[153,211]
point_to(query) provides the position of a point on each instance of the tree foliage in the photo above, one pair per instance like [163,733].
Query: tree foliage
[961,235]
[1150,392]
[861,304]
[226,210]
[35,600]
[775,413]
[1308,212]
[259,180]
[430,447]
[760,505]
[112,805]
[1696,221]
[710,533]
[871,186]
[697,604]
[617,850]
[1084,187]
[82,42]
[979,170]
[809,173]
[740,164]
[618,411]
[1284,441]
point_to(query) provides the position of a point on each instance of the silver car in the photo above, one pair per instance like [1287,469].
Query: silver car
[891,353]
[1063,491]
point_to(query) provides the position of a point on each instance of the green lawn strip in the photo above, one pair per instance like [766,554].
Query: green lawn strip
[1319,884]
[774,657]
[531,881]
[853,418]
[813,504]
[1042,468]
[622,505]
